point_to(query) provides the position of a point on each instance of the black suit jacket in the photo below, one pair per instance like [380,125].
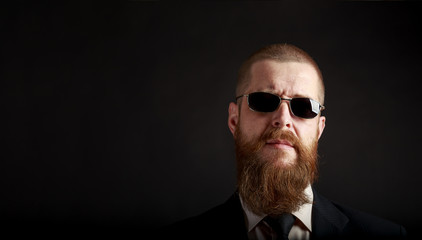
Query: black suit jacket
[329,221]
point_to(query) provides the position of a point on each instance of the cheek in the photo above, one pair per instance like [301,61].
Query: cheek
[307,133]
[250,130]
[251,126]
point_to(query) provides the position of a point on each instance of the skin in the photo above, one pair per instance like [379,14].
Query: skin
[288,80]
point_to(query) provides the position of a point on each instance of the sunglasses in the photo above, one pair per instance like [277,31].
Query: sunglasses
[267,102]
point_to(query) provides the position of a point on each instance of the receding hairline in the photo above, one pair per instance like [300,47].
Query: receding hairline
[279,53]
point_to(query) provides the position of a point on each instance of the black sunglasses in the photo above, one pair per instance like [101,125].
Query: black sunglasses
[267,102]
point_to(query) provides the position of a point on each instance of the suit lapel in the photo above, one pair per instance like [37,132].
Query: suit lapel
[327,220]
[232,219]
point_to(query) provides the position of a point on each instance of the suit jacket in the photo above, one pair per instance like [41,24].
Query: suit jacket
[329,221]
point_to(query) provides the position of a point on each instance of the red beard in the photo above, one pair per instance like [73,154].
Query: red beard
[265,185]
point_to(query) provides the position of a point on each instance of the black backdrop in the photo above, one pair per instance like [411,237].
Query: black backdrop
[115,115]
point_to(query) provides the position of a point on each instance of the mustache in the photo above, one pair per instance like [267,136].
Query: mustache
[277,133]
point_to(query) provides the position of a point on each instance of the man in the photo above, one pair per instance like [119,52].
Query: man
[276,123]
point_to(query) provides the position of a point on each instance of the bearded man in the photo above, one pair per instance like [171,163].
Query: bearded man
[276,123]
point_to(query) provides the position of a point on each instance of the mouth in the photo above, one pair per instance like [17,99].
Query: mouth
[279,143]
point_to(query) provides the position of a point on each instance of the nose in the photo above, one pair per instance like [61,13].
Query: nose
[282,117]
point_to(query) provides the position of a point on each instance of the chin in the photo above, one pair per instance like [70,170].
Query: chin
[285,163]
[282,159]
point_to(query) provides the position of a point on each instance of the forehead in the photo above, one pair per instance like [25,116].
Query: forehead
[288,79]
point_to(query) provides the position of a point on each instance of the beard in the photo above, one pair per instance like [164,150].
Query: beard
[266,185]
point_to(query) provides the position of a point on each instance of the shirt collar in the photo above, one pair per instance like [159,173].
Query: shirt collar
[304,214]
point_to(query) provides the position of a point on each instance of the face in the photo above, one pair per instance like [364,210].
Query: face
[276,152]
[288,80]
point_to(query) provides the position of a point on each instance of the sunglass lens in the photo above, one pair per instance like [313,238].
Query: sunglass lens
[304,107]
[263,102]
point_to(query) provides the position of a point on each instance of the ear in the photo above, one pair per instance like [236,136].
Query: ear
[321,125]
[233,117]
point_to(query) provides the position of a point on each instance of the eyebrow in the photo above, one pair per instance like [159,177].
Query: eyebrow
[272,88]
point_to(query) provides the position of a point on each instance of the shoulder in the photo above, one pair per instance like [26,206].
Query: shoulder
[347,221]
[370,224]
[224,221]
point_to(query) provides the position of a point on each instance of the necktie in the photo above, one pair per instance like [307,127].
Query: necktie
[281,225]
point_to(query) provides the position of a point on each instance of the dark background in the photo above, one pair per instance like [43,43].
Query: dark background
[114,116]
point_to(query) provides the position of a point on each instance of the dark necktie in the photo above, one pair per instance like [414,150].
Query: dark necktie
[281,225]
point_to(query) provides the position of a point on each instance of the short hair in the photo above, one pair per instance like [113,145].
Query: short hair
[281,52]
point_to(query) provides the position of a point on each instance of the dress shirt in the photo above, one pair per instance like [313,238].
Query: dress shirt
[260,230]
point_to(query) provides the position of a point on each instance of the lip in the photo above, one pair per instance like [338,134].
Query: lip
[279,143]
